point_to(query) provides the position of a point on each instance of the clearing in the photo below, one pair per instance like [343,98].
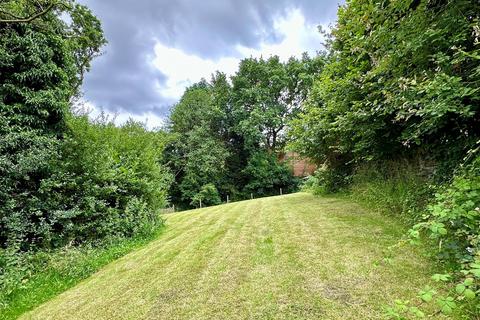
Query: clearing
[287,257]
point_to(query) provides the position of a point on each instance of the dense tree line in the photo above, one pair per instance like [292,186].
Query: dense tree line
[402,79]
[228,134]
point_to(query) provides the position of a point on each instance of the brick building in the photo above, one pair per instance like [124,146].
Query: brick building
[301,167]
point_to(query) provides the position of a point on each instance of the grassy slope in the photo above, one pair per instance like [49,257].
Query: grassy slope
[58,271]
[290,257]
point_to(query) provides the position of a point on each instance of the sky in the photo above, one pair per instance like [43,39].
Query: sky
[157,48]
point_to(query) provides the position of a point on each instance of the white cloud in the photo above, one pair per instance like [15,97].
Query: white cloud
[299,37]
[151,120]
[183,69]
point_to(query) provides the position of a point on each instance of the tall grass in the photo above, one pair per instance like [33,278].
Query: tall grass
[393,187]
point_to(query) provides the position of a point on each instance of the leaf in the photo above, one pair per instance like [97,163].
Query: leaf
[427,297]
[447,305]
[441,277]
[469,294]
[460,288]
[475,272]
[446,309]
[442,231]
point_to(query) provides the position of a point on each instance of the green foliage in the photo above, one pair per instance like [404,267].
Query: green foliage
[196,152]
[451,222]
[230,135]
[267,94]
[65,180]
[452,219]
[108,181]
[400,77]
[266,175]
[208,196]
[403,310]
[396,187]
[38,76]
[330,180]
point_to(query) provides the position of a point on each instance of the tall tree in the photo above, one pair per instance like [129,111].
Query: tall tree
[267,94]
[40,70]
[197,151]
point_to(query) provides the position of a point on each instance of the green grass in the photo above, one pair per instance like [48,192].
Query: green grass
[289,257]
[53,273]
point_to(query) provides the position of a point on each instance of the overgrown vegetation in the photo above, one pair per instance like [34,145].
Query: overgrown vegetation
[32,278]
[394,119]
[390,113]
[66,181]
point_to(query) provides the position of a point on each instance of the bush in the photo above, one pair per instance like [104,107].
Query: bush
[329,180]
[105,181]
[208,195]
[452,220]
[109,182]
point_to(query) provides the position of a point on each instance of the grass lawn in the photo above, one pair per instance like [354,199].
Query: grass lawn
[289,257]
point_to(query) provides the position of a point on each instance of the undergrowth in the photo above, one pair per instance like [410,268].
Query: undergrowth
[399,188]
[443,215]
[29,279]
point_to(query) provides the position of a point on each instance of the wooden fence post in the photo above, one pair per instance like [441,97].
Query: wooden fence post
[200,203]
[227,198]
[281,191]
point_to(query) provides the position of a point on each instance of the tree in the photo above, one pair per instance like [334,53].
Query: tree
[197,152]
[267,94]
[266,175]
[26,11]
[207,196]
[401,79]
[38,77]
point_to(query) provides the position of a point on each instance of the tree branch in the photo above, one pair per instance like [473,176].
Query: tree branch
[27,19]
[10,14]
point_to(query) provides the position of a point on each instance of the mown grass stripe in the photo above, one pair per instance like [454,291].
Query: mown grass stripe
[288,257]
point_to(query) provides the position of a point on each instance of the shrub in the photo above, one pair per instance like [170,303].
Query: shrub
[330,180]
[109,182]
[208,195]
[452,220]
[106,181]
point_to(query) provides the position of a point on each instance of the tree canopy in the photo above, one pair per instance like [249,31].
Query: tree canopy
[230,132]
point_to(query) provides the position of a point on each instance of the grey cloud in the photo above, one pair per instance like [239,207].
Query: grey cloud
[123,79]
